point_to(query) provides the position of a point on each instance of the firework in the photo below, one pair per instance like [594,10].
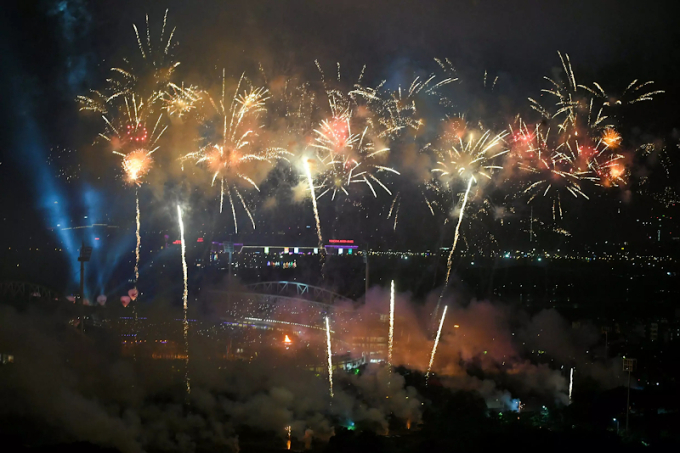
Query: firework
[156,70]
[571,382]
[633,93]
[180,101]
[288,441]
[391,331]
[554,169]
[127,133]
[471,159]
[558,164]
[468,161]
[582,148]
[185,296]
[580,109]
[611,138]
[330,360]
[436,342]
[130,135]
[349,143]
[396,201]
[137,164]
[575,103]
[228,158]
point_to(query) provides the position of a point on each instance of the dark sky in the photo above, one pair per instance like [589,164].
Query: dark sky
[54,50]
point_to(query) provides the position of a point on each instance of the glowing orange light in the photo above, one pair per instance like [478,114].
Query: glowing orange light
[137,164]
[611,138]
[287,340]
[616,171]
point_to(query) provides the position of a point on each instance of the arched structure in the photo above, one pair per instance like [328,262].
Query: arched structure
[297,290]
[280,302]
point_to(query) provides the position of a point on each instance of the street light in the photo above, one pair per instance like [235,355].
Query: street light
[617,426]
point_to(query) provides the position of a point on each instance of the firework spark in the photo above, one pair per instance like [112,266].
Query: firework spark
[436,342]
[330,360]
[185,297]
[571,382]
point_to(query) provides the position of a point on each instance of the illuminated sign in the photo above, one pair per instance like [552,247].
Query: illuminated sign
[285,249]
[266,250]
[199,240]
[316,250]
[177,242]
[296,250]
[341,241]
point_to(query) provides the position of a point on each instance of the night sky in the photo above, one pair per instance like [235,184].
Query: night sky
[53,51]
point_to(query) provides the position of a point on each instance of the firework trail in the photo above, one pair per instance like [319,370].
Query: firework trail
[139,238]
[571,382]
[185,296]
[436,342]
[330,360]
[310,182]
[449,261]
[288,441]
[391,332]
[456,234]
[397,201]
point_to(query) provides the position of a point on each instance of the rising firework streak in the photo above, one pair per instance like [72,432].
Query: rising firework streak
[449,261]
[436,342]
[391,334]
[330,360]
[310,182]
[139,238]
[472,160]
[185,296]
